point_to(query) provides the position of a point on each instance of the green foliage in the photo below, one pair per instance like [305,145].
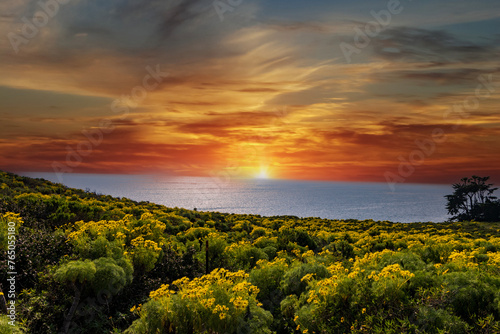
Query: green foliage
[293,281]
[76,271]
[268,277]
[43,310]
[9,226]
[297,235]
[244,255]
[217,258]
[111,275]
[6,328]
[472,294]
[344,249]
[431,320]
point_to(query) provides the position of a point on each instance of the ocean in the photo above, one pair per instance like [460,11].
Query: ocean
[270,197]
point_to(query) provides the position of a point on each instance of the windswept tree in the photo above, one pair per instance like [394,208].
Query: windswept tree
[473,199]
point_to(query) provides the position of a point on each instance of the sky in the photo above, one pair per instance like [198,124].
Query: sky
[383,91]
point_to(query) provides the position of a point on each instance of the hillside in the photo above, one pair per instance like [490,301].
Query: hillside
[91,263]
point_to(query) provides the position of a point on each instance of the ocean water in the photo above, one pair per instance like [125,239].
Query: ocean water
[334,200]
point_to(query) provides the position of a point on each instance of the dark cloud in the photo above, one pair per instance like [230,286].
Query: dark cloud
[291,26]
[137,28]
[178,15]
[430,46]
[439,77]
[397,137]
[169,15]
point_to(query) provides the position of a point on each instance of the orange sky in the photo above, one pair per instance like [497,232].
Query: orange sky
[262,90]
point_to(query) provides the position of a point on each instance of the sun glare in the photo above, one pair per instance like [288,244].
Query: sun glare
[262,174]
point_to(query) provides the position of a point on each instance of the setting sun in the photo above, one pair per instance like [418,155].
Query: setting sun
[263,173]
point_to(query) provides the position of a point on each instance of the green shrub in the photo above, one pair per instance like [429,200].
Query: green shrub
[267,276]
[431,320]
[293,282]
[7,328]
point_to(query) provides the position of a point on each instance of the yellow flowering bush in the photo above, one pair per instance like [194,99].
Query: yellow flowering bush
[462,260]
[388,283]
[220,302]
[243,255]
[9,225]
[139,239]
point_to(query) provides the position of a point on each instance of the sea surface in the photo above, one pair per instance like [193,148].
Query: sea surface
[268,197]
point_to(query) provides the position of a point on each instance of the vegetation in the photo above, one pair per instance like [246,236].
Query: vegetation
[473,200]
[90,263]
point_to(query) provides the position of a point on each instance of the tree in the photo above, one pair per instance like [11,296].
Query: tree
[75,272]
[473,200]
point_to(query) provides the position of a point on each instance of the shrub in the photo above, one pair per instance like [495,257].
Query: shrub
[6,328]
[267,276]
[293,282]
[243,255]
[220,302]
[434,321]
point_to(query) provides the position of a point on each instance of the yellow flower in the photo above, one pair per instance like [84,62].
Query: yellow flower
[363,311]
[342,319]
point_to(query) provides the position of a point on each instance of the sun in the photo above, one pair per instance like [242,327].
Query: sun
[263,173]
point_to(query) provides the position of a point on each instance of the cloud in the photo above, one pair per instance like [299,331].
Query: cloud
[178,15]
[121,151]
[407,44]
[259,90]
[294,26]
[445,76]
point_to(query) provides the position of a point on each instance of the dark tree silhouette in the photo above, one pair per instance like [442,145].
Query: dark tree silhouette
[473,200]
